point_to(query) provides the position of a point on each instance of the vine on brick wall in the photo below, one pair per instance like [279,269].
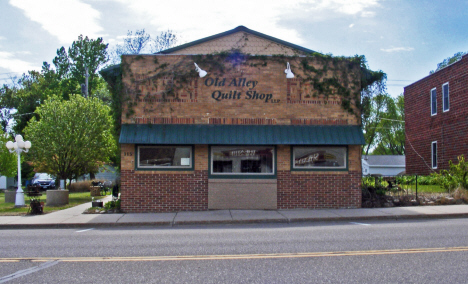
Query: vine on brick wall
[331,79]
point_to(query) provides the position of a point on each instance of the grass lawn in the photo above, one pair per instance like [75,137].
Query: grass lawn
[425,188]
[411,188]
[75,198]
[421,188]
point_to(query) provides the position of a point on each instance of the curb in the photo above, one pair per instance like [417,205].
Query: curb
[231,222]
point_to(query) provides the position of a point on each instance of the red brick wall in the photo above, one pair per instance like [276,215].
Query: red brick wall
[332,190]
[189,192]
[169,191]
[449,129]
[164,192]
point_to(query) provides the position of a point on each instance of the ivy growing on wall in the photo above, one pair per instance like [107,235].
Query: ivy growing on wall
[345,77]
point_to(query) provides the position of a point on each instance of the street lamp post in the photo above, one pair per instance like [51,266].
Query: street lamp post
[18,147]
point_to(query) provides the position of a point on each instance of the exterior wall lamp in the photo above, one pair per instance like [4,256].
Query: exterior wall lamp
[289,73]
[18,147]
[200,71]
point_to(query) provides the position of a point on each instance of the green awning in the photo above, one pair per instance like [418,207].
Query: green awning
[199,134]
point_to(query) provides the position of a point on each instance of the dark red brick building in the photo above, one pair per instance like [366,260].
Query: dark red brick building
[436,119]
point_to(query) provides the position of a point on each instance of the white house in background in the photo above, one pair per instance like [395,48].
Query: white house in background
[385,165]
[106,173]
[6,182]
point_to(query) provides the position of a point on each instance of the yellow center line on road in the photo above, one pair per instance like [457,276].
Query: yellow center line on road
[236,256]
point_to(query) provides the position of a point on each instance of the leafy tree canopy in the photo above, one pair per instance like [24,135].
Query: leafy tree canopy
[73,137]
[8,161]
[449,60]
[390,138]
[33,88]
[84,53]
[382,121]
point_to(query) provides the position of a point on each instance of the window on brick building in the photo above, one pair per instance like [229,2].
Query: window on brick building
[242,160]
[165,157]
[319,158]
[434,155]
[445,96]
[433,101]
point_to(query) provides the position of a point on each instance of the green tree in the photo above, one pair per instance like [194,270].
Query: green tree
[83,53]
[449,60]
[73,137]
[390,138]
[456,176]
[30,91]
[373,108]
[8,161]
[33,88]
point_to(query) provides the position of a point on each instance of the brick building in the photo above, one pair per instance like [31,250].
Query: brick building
[436,119]
[244,136]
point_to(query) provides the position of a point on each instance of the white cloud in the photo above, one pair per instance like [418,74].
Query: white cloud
[367,14]
[198,19]
[352,25]
[397,49]
[8,62]
[2,38]
[348,7]
[64,19]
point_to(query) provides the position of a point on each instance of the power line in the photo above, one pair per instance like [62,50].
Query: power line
[391,119]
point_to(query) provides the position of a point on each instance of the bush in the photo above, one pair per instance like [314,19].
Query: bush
[80,186]
[112,205]
[455,177]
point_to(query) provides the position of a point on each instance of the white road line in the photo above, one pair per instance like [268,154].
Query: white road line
[84,230]
[28,271]
[360,224]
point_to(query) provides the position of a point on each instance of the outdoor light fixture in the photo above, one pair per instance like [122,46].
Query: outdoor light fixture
[200,71]
[289,73]
[19,146]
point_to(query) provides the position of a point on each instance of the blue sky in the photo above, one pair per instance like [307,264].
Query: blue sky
[405,39]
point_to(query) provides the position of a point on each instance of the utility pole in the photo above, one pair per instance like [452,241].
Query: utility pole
[84,87]
[86,80]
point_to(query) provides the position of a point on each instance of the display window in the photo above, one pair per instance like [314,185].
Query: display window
[247,161]
[165,157]
[319,158]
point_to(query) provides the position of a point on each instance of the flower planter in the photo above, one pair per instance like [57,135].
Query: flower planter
[57,197]
[97,204]
[95,190]
[10,196]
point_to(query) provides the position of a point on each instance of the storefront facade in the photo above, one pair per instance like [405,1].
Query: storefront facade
[243,136]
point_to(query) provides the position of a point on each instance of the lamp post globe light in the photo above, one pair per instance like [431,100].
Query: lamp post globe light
[19,146]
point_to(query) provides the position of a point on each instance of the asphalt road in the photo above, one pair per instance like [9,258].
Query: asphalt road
[429,251]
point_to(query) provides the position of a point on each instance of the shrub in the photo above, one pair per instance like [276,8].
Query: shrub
[456,176]
[367,181]
[80,186]
[112,205]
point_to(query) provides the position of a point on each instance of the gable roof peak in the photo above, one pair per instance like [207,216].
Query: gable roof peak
[235,30]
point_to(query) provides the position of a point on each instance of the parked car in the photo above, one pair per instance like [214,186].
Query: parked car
[43,180]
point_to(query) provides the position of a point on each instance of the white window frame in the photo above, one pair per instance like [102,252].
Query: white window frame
[446,108]
[432,155]
[433,111]
[140,167]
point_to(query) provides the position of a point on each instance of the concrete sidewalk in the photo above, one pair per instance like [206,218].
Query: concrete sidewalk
[73,217]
